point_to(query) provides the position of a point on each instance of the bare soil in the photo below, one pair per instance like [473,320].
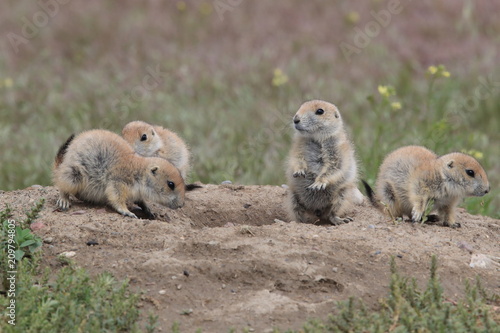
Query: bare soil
[232,258]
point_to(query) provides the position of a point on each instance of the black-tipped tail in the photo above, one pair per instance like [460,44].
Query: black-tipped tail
[62,151]
[371,195]
[190,187]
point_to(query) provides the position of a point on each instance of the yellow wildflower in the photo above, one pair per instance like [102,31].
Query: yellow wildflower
[386,91]
[279,78]
[439,70]
[432,70]
[396,106]
[8,82]
[205,8]
[382,90]
[352,17]
[181,6]
[474,153]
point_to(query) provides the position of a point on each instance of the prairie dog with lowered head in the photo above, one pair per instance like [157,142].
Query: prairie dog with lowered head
[99,166]
[155,141]
[322,169]
[411,176]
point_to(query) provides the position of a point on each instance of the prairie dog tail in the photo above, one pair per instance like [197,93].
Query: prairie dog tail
[62,151]
[191,187]
[371,196]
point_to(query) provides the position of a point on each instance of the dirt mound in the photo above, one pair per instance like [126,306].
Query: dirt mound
[230,258]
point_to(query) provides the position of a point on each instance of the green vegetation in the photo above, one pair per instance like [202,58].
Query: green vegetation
[23,242]
[17,241]
[408,309]
[231,90]
[72,301]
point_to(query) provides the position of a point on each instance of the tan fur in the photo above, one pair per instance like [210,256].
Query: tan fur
[101,167]
[156,141]
[411,176]
[322,170]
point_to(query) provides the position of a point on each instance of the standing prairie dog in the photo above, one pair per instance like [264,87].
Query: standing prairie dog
[322,170]
[99,166]
[411,176]
[156,141]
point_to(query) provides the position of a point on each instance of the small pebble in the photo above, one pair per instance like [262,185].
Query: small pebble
[68,254]
[48,240]
[92,242]
[335,269]
[187,312]
[179,287]
[226,182]
[399,256]
[223,286]
[186,273]
[247,205]
[162,292]
[371,226]
[285,186]
[377,252]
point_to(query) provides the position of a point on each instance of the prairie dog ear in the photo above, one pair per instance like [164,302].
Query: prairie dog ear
[154,169]
[450,164]
[336,113]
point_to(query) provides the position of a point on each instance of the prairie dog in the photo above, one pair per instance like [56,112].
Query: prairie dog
[411,176]
[156,141]
[322,170]
[99,166]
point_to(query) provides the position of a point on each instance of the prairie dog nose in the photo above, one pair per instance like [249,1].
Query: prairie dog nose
[296,120]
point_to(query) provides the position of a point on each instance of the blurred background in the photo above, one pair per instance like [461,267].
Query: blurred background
[228,75]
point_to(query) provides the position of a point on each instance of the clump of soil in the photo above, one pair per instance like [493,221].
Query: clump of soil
[231,257]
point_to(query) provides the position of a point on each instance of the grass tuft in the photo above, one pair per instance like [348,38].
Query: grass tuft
[70,301]
[408,309]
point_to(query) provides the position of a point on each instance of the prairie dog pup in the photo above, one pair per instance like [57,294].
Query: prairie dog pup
[411,176]
[156,141]
[322,170]
[99,166]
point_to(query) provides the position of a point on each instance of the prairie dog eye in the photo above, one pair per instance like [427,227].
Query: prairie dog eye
[144,137]
[320,111]
[171,185]
[470,173]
